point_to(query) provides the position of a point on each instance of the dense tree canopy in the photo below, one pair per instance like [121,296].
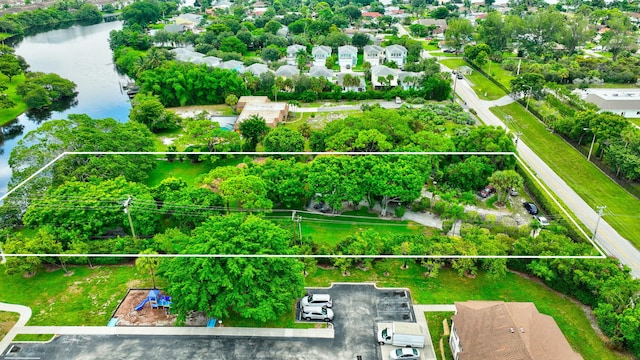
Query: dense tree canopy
[180,84]
[81,133]
[256,288]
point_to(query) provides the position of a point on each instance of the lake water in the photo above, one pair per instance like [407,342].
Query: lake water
[82,55]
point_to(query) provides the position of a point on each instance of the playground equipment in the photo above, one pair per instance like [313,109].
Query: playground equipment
[156,301]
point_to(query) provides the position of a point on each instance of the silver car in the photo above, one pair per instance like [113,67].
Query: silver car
[317,313]
[316,300]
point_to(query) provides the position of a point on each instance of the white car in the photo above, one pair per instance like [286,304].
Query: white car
[316,313]
[542,220]
[322,300]
[405,353]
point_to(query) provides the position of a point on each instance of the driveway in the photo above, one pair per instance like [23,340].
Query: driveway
[357,307]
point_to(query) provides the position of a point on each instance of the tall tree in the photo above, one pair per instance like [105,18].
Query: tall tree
[282,139]
[255,288]
[493,31]
[504,181]
[253,130]
[458,33]
[148,265]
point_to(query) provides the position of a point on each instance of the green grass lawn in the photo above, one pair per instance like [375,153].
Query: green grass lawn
[483,87]
[7,115]
[181,170]
[360,63]
[635,121]
[449,287]
[332,229]
[87,297]
[444,54]
[430,46]
[435,321]
[585,178]
[605,54]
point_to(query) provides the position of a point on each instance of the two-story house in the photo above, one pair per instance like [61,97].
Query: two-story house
[320,54]
[374,54]
[397,54]
[292,53]
[347,57]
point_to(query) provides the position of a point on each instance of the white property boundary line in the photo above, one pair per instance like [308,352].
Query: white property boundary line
[484,153]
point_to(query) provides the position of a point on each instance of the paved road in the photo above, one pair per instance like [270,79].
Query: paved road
[609,239]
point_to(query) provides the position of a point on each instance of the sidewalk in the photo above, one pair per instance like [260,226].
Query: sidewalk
[25,315]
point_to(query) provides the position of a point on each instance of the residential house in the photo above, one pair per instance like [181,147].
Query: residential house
[256,69]
[625,102]
[499,330]
[371,15]
[190,21]
[283,31]
[383,77]
[359,88]
[320,54]
[292,53]
[409,80]
[321,71]
[347,57]
[271,112]
[397,54]
[188,55]
[211,61]
[175,28]
[374,54]
[232,65]
[287,71]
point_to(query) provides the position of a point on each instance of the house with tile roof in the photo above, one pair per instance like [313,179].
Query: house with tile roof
[499,330]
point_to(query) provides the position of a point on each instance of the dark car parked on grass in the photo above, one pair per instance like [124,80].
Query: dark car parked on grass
[488,190]
[531,207]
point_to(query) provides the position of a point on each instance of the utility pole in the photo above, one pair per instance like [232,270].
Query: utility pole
[126,204]
[592,142]
[297,219]
[3,259]
[600,213]
[517,134]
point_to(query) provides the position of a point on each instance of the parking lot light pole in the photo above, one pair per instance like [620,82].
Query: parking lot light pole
[592,142]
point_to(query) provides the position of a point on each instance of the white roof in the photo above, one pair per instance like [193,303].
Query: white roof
[347,49]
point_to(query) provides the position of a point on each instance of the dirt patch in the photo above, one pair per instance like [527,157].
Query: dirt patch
[147,316]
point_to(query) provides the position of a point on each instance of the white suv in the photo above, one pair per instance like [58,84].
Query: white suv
[322,300]
[316,313]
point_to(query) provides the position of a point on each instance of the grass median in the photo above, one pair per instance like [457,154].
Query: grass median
[591,184]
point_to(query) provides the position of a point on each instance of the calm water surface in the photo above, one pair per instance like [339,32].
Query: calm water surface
[82,55]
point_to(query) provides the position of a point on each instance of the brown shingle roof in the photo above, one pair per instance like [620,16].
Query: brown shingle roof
[508,331]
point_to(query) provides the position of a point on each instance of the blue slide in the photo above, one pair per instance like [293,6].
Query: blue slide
[141,305]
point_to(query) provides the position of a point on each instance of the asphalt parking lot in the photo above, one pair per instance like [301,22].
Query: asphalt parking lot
[357,308]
